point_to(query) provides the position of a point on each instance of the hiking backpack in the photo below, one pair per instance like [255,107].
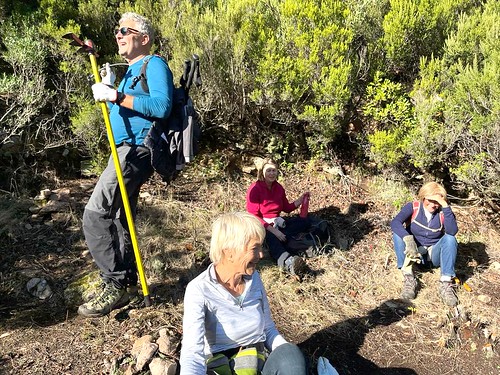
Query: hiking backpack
[173,141]
[317,240]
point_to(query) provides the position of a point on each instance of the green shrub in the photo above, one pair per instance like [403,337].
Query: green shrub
[305,66]
[390,111]
[457,97]
[418,28]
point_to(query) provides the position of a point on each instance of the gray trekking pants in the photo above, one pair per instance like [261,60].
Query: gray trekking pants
[104,221]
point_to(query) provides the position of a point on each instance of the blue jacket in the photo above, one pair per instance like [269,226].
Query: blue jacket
[132,126]
[425,234]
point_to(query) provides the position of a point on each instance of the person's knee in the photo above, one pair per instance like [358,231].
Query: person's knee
[448,238]
[290,349]
[286,359]
[398,241]
[399,247]
[449,242]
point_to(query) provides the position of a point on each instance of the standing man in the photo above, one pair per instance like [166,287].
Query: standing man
[132,111]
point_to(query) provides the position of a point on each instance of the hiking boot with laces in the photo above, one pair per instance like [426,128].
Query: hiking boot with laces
[448,294]
[296,266]
[135,299]
[109,298]
[409,287]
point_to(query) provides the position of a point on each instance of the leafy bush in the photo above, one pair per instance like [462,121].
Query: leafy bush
[285,77]
[31,115]
[391,113]
[458,96]
[305,67]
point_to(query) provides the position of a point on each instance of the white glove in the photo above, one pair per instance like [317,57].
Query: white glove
[411,250]
[108,76]
[279,222]
[103,93]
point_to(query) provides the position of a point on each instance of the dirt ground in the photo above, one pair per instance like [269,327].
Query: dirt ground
[367,329]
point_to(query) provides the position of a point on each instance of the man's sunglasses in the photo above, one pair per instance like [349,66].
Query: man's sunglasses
[126,30]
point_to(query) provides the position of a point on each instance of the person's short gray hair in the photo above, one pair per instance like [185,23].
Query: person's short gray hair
[234,231]
[143,25]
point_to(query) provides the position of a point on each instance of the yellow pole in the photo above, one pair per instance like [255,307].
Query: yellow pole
[123,189]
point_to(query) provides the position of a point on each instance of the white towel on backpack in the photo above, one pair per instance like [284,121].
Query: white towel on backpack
[277,222]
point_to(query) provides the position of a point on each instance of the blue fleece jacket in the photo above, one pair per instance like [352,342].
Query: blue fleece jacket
[428,233]
[132,126]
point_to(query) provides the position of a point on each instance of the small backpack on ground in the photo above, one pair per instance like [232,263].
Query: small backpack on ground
[318,240]
[173,141]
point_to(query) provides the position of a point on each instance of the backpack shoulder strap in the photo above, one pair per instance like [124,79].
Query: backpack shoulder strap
[143,76]
[416,208]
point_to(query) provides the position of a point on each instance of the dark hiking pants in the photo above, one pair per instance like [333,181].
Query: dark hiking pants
[104,221]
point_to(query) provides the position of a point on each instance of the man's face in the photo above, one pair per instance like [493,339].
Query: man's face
[131,44]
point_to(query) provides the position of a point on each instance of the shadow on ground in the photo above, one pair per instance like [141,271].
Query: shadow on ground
[349,228]
[341,342]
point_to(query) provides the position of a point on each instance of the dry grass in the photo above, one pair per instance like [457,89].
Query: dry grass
[353,298]
[348,312]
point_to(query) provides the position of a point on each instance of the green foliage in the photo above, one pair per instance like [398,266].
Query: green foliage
[391,113]
[457,96]
[305,67]
[89,131]
[279,76]
[387,103]
[365,19]
[386,147]
[44,81]
[473,169]
[27,124]
[418,28]
[394,193]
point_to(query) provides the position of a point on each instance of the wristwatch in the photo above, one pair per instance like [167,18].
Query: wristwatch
[119,97]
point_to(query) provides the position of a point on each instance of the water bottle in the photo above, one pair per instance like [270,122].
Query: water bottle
[304,208]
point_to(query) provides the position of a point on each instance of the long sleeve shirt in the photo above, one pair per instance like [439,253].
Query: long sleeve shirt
[214,320]
[132,125]
[267,203]
[426,232]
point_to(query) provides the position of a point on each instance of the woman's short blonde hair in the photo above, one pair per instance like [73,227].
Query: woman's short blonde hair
[260,171]
[431,188]
[234,231]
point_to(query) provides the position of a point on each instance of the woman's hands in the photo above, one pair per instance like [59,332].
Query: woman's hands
[438,198]
[300,199]
[279,234]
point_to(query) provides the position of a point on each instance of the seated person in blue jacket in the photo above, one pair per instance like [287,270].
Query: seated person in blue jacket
[424,231]
[266,199]
[227,324]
